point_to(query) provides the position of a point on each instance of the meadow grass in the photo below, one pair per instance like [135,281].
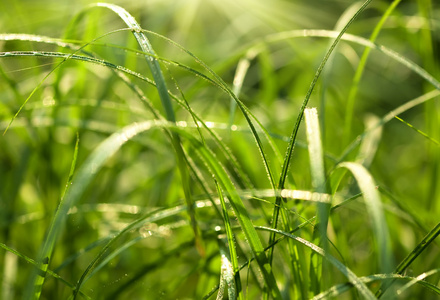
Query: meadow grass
[236,149]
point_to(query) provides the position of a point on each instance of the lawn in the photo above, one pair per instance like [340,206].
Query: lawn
[220,149]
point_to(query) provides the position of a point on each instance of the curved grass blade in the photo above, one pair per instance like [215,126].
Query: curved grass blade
[354,39]
[357,283]
[292,139]
[153,216]
[360,70]
[162,89]
[111,145]
[375,210]
[388,117]
[146,268]
[118,68]
[219,82]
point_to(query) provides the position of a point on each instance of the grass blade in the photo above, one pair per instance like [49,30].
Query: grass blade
[232,253]
[375,210]
[162,89]
[318,182]
[349,111]
[36,280]
[293,136]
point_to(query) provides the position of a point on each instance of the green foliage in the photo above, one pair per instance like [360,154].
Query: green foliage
[141,154]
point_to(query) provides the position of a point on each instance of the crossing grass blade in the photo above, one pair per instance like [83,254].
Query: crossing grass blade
[357,283]
[293,136]
[408,260]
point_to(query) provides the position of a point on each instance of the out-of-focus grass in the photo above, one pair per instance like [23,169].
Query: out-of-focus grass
[111,189]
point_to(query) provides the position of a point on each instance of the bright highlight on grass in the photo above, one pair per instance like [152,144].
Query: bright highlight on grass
[142,151]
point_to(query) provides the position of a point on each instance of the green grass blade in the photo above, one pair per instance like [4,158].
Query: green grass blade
[220,83]
[152,62]
[349,111]
[243,218]
[292,141]
[36,280]
[232,251]
[316,157]
[293,136]
[357,40]
[375,210]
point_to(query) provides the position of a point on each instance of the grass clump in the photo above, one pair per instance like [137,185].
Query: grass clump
[143,158]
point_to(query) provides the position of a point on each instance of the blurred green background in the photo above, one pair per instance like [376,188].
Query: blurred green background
[89,100]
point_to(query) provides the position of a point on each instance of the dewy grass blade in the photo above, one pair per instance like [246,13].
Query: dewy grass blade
[375,210]
[231,245]
[316,157]
[162,89]
[292,140]
[119,69]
